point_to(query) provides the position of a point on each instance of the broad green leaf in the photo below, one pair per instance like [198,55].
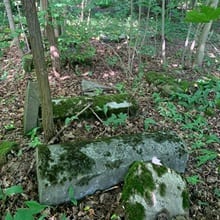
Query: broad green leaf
[13,190]
[35,207]
[24,214]
[8,216]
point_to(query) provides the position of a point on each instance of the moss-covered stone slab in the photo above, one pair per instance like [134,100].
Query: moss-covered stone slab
[88,166]
[102,104]
[31,107]
[153,191]
[168,84]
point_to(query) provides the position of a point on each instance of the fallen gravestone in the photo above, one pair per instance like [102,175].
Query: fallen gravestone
[101,104]
[154,191]
[88,166]
[67,107]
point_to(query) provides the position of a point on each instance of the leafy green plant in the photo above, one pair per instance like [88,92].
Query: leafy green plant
[112,60]
[88,127]
[115,217]
[68,120]
[197,124]
[116,120]
[193,179]
[10,126]
[4,193]
[148,122]
[207,155]
[35,140]
[168,109]
[71,195]
[157,98]
[74,44]
[33,209]
[120,87]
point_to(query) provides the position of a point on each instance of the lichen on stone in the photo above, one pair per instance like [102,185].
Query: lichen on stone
[67,165]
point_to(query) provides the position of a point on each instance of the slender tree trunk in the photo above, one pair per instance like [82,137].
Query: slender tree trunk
[12,24]
[203,37]
[40,67]
[163,61]
[50,34]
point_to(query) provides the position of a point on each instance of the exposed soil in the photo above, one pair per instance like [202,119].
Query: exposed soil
[20,168]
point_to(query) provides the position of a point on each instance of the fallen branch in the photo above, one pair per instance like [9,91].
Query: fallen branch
[96,115]
[67,125]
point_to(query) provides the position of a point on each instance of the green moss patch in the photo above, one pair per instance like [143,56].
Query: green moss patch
[167,83]
[185,196]
[138,180]
[71,106]
[27,63]
[135,211]
[162,189]
[160,170]
[5,148]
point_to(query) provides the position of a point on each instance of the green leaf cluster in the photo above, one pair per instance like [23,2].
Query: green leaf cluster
[189,110]
[204,14]
[116,120]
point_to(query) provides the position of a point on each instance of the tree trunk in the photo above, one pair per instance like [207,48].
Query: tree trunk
[163,49]
[50,34]
[40,67]
[203,38]
[11,23]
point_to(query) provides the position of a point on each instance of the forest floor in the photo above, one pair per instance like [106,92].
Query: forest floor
[20,166]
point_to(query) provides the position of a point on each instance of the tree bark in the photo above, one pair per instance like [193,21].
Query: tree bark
[163,48]
[40,67]
[203,37]
[50,34]
[12,24]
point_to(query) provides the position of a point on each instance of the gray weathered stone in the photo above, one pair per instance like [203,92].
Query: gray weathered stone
[154,192]
[90,87]
[88,166]
[31,108]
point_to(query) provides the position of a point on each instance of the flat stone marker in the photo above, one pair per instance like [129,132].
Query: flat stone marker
[31,108]
[88,166]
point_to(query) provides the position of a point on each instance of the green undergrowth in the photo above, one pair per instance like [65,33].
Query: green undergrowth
[189,105]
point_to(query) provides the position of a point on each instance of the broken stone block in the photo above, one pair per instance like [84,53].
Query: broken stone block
[88,166]
[114,103]
[152,191]
[31,108]
[90,88]
[27,63]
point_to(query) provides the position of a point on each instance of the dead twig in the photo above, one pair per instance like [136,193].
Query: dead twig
[67,125]
[94,113]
